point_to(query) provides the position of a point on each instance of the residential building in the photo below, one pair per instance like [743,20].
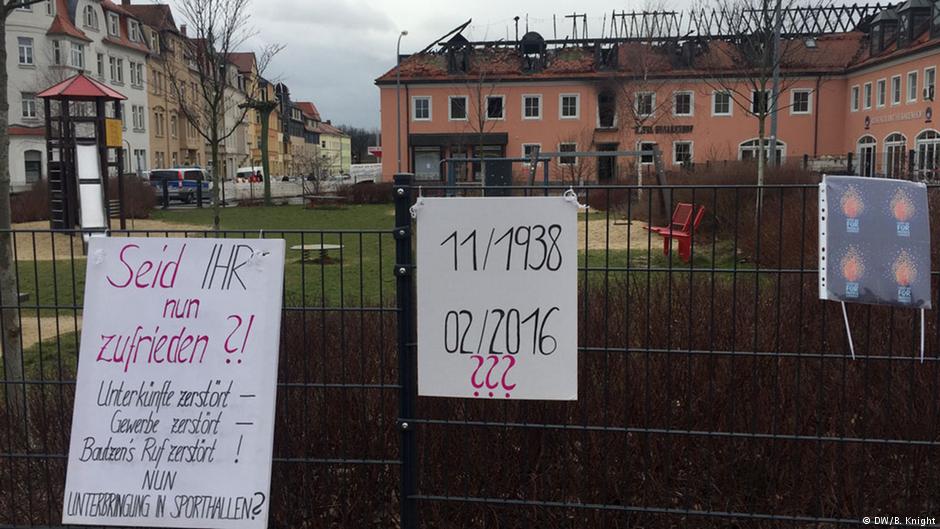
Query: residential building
[867,89]
[50,41]
[247,65]
[335,149]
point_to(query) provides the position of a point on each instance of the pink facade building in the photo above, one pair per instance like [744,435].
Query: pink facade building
[867,89]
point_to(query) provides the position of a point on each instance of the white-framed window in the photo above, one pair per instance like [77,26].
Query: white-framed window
[895,157]
[527,149]
[117,69]
[645,104]
[33,164]
[683,103]
[421,108]
[457,108]
[760,102]
[882,92]
[721,103]
[531,106]
[57,52]
[140,123]
[495,107]
[50,7]
[896,90]
[865,154]
[174,126]
[134,31]
[854,98]
[801,101]
[114,25]
[911,86]
[137,73]
[647,148]
[930,80]
[25,45]
[100,63]
[78,55]
[928,154]
[750,149]
[568,147]
[28,100]
[867,94]
[569,106]
[90,17]
[681,152]
[154,42]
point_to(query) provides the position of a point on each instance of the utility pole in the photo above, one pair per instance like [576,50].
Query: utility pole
[264,108]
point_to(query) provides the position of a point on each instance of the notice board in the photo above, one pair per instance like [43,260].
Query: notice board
[874,241]
[497,298]
[174,403]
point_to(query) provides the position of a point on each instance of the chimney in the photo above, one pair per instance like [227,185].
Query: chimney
[183,29]
[329,122]
[125,2]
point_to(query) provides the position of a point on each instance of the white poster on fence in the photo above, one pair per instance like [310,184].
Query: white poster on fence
[497,298]
[174,403]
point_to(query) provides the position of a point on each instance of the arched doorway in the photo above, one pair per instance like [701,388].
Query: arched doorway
[895,157]
[928,154]
[865,151]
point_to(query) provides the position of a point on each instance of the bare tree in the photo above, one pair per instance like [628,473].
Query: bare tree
[751,49]
[480,88]
[9,289]
[220,27]
[314,168]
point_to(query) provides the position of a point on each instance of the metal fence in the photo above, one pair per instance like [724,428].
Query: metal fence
[717,392]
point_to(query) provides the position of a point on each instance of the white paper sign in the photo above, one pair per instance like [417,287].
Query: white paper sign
[497,298]
[174,403]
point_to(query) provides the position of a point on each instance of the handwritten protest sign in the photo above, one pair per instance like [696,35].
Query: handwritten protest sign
[174,402]
[497,298]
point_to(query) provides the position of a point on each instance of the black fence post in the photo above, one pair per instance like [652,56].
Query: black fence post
[404,272]
[198,193]
[165,184]
[911,168]
[848,163]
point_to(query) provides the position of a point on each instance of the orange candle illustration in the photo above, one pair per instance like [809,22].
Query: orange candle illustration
[852,203]
[902,207]
[853,266]
[904,269]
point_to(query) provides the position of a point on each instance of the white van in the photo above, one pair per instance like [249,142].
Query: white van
[250,174]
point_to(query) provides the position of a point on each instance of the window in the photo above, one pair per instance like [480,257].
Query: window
[882,92]
[457,106]
[137,116]
[137,73]
[32,165]
[896,90]
[760,102]
[682,104]
[930,79]
[124,116]
[174,126]
[911,87]
[158,123]
[421,108]
[78,56]
[100,63]
[801,101]
[114,25]
[117,70]
[682,152]
[721,104]
[50,7]
[749,150]
[532,107]
[56,52]
[494,107]
[606,109]
[865,152]
[855,98]
[567,147]
[867,96]
[645,102]
[154,42]
[895,155]
[29,105]
[90,17]
[528,148]
[140,160]
[569,106]
[928,153]
[134,31]
[648,149]
[26,50]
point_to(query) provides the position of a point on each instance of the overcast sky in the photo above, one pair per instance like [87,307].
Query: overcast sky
[334,49]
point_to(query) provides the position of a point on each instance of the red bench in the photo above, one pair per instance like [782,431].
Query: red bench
[682,228]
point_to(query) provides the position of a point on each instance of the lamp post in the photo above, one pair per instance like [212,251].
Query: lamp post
[398,95]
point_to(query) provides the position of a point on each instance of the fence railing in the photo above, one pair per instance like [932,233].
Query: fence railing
[717,392]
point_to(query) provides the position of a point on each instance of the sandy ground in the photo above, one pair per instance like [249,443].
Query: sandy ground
[47,326]
[598,230]
[64,245]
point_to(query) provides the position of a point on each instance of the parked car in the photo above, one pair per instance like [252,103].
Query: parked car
[181,183]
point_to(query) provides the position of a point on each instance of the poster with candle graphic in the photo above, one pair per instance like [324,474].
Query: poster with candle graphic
[874,241]
[173,423]
[497,298]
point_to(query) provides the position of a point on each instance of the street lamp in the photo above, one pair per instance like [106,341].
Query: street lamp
[398,95]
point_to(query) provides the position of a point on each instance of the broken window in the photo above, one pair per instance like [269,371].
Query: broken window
[606,109]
